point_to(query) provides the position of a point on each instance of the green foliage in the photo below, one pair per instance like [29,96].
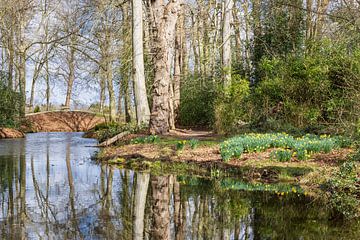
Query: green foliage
[10,102]
[302,147]
[308,91]
[230,108]
[343,189]
[193,143]
[37,109]
[147,139]
[180,145]
[197,102]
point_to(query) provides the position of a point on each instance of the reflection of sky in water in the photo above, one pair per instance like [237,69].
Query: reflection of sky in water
[56,147]
[98,206]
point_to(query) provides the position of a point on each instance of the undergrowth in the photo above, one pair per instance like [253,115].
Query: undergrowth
[343,190]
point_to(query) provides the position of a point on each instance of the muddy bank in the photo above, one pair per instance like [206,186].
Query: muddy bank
[10,133]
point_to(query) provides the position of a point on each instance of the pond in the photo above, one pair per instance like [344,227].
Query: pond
[50,188]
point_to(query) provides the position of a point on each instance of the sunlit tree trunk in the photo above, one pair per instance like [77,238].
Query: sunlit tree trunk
[142,105]
[165,17]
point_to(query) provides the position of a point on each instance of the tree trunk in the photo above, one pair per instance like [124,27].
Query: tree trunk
[47,79]
[102,90]
[71,76]
[22,81]
[226,48]
[309,14]
[165,21]
[110,85]
[142,105]
[178,65]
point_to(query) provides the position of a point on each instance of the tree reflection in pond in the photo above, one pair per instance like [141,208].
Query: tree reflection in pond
[51,189]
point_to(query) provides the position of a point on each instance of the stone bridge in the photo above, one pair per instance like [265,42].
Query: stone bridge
[62,121]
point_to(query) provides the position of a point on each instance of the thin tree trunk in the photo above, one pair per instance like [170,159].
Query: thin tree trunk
[309,4]
[71,76]
[102,90]
[178,64]
[226,49]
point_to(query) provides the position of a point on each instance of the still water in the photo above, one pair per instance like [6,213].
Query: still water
[50,188]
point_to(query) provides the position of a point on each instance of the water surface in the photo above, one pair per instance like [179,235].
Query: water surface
[50,188]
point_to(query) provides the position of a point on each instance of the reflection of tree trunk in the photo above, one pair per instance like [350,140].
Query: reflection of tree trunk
[161,213]
[178,212]
[71,190]
[47,185]
[237,229]
[106,181]
[142,182]
[126,199]
[22,194]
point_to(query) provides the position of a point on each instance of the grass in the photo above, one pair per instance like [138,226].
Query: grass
[287,146]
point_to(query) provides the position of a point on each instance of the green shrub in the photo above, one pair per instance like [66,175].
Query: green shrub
[197,102]
[10,103]
[37,109]
[230,109]
[343,190]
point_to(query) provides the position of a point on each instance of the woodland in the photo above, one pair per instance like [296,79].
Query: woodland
[271,80]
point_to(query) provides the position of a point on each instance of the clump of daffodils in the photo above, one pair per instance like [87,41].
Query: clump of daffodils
[287,146]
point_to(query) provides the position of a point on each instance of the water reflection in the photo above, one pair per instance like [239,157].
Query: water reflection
[50,189]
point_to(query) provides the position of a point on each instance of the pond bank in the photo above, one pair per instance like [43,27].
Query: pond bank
[174,154]
[10,133]
[255,166]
